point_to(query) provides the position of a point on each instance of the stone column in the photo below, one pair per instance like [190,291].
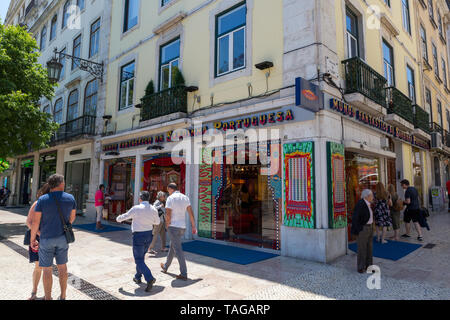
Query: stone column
[137,178]
[36,175]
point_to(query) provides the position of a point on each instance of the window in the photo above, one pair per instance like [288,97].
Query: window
[95,38]
[439,106]
[131,14]
[444,72]
[411,83]
[43,37]
[126,86]
[90,100]
[435,60]
[406,16]
[46,109]
[430,9]
[388,61]
[164,2]
[423,37]
[66,14]
[388,2]
[53,27]
[169,63]
[76,52]
[230,44]
[63,62]
[352,35]
[440,24]
[80,4]
[72,106]
[58,115]
[429,103]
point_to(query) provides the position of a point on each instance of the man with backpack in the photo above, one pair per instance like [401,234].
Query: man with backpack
[412,212]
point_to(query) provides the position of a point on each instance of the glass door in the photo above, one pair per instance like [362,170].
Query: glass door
[77,182]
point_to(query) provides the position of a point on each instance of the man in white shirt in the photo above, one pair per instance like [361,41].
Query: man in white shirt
[144,216]
[177,205]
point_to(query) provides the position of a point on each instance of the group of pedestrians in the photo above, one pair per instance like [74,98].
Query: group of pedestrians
[382,210]
[55,209]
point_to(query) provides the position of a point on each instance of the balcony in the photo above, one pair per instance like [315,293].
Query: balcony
[74,129]
[169,103]
[364,87]
[446,139]
[400,109]
[421,122]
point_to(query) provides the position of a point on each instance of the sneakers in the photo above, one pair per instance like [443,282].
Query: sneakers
[137,281]
[150,285]
[420,238]
[406,236]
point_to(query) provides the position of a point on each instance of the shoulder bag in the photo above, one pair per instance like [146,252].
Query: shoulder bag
[68,231]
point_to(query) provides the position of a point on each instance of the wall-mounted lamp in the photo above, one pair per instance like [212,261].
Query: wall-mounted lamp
[191,89]
[264,65]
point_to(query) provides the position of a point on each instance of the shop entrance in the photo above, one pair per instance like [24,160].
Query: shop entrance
[26,180]
[47,167]
[159,171]
[77,182]
[392,172]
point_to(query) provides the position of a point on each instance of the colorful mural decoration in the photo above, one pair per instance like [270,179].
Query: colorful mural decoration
[299,185]
[204,194]
[336,186]
[276,187]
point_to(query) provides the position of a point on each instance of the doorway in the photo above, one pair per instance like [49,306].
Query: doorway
[77,182]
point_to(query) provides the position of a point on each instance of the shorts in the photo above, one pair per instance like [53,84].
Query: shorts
[411,215]
[395,220]
[57,248]
[33,255]
[99,213]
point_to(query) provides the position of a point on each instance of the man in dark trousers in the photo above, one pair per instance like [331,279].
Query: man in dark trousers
[362,226]
[412,212]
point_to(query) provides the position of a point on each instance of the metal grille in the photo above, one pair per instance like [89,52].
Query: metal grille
[83,286]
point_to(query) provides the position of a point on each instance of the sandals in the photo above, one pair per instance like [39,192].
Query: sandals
[420,238]
[33,296]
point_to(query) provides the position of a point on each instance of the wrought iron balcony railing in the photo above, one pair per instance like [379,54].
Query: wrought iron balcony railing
[399,104]
[446,138]
[361,78]
[163,103]
[421,119]
[82,126]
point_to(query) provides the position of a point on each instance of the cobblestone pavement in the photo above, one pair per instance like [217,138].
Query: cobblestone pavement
[101,267]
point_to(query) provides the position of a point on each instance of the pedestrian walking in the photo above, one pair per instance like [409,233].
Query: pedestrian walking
[50,210]
[412,211]
[33,255]
[395,209]
[382,215]
[176,207]
[144,216]
[159,229]
[99,205]
[362,226]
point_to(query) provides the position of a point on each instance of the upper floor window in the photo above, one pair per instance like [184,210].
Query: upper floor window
[444,72]
[406,16]
[440,24]
[80,4]
[352,34]
[435,60]
[411,83]
[66,14]
[46,109]
[388,61]
[126,86]
[439,107]
[43,37]
[72,105]
[423,38]
[164,2]
[230,40]
[429,103]
[95,38]
[170,60]
[90,99]
[53,27]
[76,52]
[131,14]
[58,113]
[430,9]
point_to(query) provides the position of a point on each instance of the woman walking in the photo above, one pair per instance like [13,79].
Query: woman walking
[382,215]
[33,255]
[395,209]
[161,228]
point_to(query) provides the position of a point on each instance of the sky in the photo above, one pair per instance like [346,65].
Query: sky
[4,4]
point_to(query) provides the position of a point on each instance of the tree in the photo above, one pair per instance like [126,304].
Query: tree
[178,78]
[23,81]
[150,88]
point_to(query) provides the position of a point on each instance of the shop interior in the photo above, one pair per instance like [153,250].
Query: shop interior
[77,182]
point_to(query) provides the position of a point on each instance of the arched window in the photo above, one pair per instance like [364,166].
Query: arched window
[57,114]
[72,105]
[53,28]
[43,37]
[65,16]
[90,98]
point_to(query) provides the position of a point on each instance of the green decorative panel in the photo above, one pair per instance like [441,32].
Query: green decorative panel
[337,212]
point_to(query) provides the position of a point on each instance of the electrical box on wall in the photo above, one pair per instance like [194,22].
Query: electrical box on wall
[384,143]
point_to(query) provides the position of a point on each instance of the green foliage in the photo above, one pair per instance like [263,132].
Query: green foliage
[23,81]
[150,88]
[4,165]
[178,78]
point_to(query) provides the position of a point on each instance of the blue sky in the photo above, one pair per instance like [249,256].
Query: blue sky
[3,9]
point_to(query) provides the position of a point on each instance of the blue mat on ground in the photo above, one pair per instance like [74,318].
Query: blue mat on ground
[393,250]
[91,228]
[226,253]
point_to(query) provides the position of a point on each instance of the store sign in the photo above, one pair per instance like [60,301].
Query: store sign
[376,123]
[151,140]
[255,121]
[308,95]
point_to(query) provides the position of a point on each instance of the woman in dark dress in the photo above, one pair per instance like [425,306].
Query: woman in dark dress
[33,255]
[382,214]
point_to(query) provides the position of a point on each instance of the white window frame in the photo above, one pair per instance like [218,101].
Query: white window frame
[127,104]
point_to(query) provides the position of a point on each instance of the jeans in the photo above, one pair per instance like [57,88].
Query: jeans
[175,249]
[141,242]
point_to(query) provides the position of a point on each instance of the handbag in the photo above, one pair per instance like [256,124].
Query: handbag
[68,231]
[27,239]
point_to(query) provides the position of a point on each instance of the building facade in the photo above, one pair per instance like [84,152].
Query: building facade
[283,124]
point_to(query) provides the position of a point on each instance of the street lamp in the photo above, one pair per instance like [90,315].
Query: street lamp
[54,66]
